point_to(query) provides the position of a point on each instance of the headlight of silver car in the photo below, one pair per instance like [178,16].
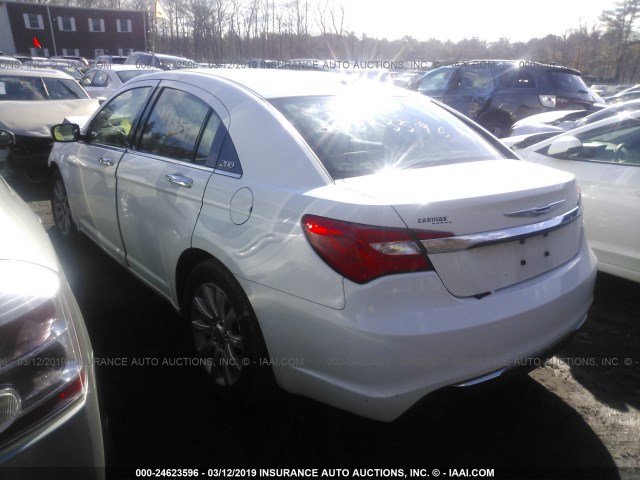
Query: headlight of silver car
[41,367]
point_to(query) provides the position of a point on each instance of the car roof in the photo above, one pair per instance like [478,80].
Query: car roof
[25,71]
[116,67]
[274,83]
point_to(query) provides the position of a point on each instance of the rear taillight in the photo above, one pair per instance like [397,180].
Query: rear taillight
[364,252]
[41,367]
[548,101]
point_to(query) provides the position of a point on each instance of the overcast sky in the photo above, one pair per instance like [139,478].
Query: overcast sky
[457,19]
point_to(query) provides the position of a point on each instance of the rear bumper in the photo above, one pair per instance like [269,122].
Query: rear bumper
[471,388]
[402,337]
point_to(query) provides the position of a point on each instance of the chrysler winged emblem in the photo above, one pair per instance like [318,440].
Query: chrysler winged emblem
[535,211]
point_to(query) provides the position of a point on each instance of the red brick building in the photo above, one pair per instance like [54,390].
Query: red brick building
[59,30]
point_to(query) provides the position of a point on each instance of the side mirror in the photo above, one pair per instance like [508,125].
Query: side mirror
[65,132]
[6,139]
[564,145]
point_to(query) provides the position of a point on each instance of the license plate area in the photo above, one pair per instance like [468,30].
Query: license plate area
[488,268]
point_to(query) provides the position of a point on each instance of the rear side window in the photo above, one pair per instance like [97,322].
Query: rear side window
[174,125]
[63,89]
[359,134]
[523,79]
[566,83]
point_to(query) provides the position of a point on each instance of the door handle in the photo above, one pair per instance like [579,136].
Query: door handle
[180,180]
[106,161]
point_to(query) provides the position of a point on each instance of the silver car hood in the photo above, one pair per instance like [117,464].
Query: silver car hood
[22,237]
[35,118]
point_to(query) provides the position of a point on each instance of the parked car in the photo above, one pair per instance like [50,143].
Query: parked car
[61,65]
[562,121]
[103,60]
[80,63]
[311,228]
[102,81]
[498,93]
[9,63]
[49,415]
[624,96]
[159,60]
[31,102]
[605,158]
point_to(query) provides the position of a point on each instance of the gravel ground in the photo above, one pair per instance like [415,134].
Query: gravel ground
[576,417]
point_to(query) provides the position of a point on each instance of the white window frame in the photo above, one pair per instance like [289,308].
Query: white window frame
[70,52]
[123,52]
[127,22]
[38,18]
[61,24]
[91,24]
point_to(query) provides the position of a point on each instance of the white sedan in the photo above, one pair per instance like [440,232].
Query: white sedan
[102,81]
[360,244]
[605,158]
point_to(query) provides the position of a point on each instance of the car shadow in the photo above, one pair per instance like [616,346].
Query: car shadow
[605,356]
[30,191]
[163,414]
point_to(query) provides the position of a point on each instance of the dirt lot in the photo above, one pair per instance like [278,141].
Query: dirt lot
[577,417]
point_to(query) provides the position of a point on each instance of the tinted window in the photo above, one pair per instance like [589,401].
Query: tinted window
[101,79]
[174,125]
[568,83]
[477,80]
[112,125]
[87,79]
[357,134]
[127,75]
[523,79]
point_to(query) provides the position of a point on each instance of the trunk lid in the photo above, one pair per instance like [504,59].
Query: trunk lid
[506,217]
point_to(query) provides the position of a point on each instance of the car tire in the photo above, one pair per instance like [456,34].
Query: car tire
[62,217]
[225,335]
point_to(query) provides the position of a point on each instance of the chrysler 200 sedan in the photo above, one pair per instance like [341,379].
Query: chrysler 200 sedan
[361,245]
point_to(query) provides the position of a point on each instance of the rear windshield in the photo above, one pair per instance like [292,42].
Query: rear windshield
[37,88]
[359,134]
[568,84]
[127,75]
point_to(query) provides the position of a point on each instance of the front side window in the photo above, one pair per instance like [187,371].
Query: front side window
[113,124]
[435,83]
[174,125]
[359,134]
